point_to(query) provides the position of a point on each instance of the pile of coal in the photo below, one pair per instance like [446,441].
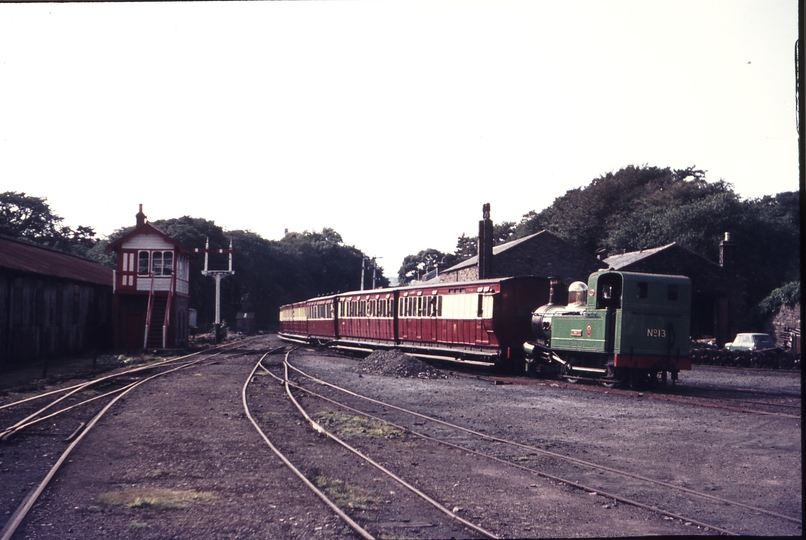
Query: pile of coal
[398,364]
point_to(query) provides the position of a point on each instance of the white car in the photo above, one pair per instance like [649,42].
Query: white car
[751,342]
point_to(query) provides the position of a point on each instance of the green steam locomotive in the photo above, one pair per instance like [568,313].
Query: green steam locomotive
[620,328]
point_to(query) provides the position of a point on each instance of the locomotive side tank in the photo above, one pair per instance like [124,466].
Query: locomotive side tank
[620,326]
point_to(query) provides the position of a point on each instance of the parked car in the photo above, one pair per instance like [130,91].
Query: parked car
[751,342]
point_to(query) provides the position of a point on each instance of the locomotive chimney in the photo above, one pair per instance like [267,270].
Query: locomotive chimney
[141,217]
[727,252]
[485,244]
[558,293]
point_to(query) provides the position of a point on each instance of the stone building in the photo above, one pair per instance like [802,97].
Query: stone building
[539,254]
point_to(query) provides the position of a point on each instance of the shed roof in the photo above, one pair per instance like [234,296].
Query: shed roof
[21,256]
[474,260]
[623,260]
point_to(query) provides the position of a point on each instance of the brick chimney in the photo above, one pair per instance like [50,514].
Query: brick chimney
[485,244]
[727,252]
[141,217]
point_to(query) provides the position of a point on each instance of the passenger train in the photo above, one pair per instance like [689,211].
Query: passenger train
[618,327]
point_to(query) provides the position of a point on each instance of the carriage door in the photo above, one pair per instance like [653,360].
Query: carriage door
[484,313]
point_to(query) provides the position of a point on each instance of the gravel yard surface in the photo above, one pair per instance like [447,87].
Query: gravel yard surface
[179,458]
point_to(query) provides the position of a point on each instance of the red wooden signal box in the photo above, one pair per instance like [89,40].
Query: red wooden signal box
[151,289]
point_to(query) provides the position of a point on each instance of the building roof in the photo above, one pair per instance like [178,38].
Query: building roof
[624,260]
[21,256]
[146,228]
[474,260]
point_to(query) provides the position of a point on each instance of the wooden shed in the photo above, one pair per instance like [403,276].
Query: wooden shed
[51,303]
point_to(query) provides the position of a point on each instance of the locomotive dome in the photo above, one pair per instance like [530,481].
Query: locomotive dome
[577,294]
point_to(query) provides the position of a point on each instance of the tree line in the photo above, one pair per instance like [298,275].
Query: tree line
[268,273]
[641,207]
[637,207]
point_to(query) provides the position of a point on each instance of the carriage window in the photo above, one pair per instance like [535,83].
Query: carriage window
[643,288]
[439,306]
[671,294]
[480,310]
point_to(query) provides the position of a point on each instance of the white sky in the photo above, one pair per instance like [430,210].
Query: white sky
[390,122]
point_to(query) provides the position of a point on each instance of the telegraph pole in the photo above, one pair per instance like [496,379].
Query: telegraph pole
[218,275]
[374,268]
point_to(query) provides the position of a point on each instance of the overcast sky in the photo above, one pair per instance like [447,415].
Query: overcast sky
[390,122]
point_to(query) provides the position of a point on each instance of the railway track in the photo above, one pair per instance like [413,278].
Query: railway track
[422,515]
[506,473]
[669,497]
[74,410]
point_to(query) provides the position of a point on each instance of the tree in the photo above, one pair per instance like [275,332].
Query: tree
[645,207]
[414,267]
[24,216]
[641,207]
[587,216]
[467,246]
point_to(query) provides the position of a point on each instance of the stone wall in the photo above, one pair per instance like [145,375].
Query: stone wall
[786,320]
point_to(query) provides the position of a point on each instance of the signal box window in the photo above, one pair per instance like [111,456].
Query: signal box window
[142,263]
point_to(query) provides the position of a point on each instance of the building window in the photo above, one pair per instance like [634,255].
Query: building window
[167,263]
[156,263]
[162,263]
[142,263]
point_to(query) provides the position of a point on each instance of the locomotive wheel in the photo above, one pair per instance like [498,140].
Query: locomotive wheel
[612,379]
[566,375]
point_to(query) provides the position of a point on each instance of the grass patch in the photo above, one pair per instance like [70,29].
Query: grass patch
[357,425]
[137,525]
[161,499]
[342,493]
